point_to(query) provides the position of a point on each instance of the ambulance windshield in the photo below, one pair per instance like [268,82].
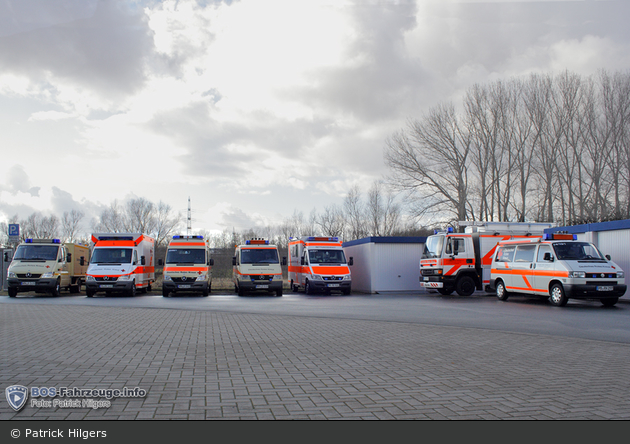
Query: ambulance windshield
[259,256]
[111,256]
[186,256]
[577,251]
[433,247]
[36,252]
[326,257]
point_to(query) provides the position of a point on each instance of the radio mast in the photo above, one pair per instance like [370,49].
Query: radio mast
[189,225]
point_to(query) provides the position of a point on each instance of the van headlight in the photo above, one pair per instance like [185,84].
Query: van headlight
[12,274]
[201,277]
[346,277]
[48,274]
[316,277]
[166,277]
[125,277]
[620,274]
[90,278]
[577,274]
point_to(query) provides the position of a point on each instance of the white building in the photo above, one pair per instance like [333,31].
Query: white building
[385,263]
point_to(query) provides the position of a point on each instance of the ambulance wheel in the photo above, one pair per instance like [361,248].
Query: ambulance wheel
[75,288]
[308,289]
[149,288]
[445,291]
[294,288]
[206,291]
[557,296]
[465,286]
[165,292]
[501,292]
[279,292]
[12,292]
[89,293]
[57,290]
[240,291]
[346,291]
[609,302]
[132,292]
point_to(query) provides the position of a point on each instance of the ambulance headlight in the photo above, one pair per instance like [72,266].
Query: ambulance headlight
[620,274]
[125,277]
[316,277]
[90,278]
[245,277]
[577,274]
[48,274]
[167,278]
[12,274]
[201,277]
[346,277]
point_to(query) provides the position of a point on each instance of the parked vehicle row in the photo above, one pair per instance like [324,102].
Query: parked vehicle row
[124,263]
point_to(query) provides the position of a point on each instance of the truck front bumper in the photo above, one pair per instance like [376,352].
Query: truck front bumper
[41,285]
[192,286]
[330,286]
[109,287]
[260,285]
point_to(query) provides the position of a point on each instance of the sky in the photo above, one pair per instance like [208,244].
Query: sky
[253,109]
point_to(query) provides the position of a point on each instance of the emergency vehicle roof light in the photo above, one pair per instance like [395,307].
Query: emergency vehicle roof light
[116,238]
[315,238]
[559,235]
[449,230]
[256,242]
[28,241]
[180,236]
[435,231]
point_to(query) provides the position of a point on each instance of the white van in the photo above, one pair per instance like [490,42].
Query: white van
[256,266]
[557,267]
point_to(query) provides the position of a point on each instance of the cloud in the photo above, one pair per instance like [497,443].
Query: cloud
[100,47]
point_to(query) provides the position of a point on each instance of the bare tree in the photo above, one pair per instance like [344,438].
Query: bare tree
[70,225]
[331,222]
[354,214]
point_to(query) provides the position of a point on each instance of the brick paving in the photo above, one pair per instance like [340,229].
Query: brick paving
[203,365]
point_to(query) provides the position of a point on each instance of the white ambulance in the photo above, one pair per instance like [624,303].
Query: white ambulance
[256,266]
[187,266]
[318,264]
[47,266]
[121,263]
[558,267]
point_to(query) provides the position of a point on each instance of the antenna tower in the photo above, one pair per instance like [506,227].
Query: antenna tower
[189,225]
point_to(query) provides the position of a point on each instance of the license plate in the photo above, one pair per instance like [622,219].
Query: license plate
[262,286]
[605,288]
[28,283]
[333,285]
[183,286]
[106,286]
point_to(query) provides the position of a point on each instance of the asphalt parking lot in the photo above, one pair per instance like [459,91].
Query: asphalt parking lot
[204,365]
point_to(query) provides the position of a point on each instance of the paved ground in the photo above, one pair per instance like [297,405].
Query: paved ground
[211,365]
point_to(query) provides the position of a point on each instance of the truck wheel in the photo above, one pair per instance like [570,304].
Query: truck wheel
[89,293]
[465,286]
[609,302]
[445,291]
[12,292]
[149,289]
[279,292]
[57,290]
[308,289]
[501,292]
[294,288]
[240,291]
[165,292]
[75,288]
[132,292]
[557,296]
[346,291]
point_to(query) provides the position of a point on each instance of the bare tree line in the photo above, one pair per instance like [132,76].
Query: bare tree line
[545,148]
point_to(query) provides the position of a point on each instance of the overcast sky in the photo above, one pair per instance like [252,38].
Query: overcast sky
[253,108]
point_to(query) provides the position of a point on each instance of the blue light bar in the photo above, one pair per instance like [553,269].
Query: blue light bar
[547,236]
[28,241]
[449,230]
[435,231]
[56,241]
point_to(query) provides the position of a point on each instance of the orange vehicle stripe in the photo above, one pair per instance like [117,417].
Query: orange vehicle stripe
[534,272]
[526,289]
[186,268]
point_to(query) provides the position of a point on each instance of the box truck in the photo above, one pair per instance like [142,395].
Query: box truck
[121,263]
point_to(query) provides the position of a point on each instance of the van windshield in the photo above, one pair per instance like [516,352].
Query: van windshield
[433,247]
[36,252]
[112,256]
[576,251]
[259,256]
[186,256]
[326,256]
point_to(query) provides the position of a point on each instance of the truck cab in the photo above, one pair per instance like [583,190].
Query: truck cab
[256,267]
[187,266]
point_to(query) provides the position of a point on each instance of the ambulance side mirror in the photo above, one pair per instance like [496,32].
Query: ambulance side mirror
[351,261]
[210,261]
[143,261]
[548,257]
[82,260]
[69,257]
[160,262]
[284,261]
[608,257]
[234,260]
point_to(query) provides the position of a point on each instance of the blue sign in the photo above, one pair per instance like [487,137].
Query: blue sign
[14,230]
